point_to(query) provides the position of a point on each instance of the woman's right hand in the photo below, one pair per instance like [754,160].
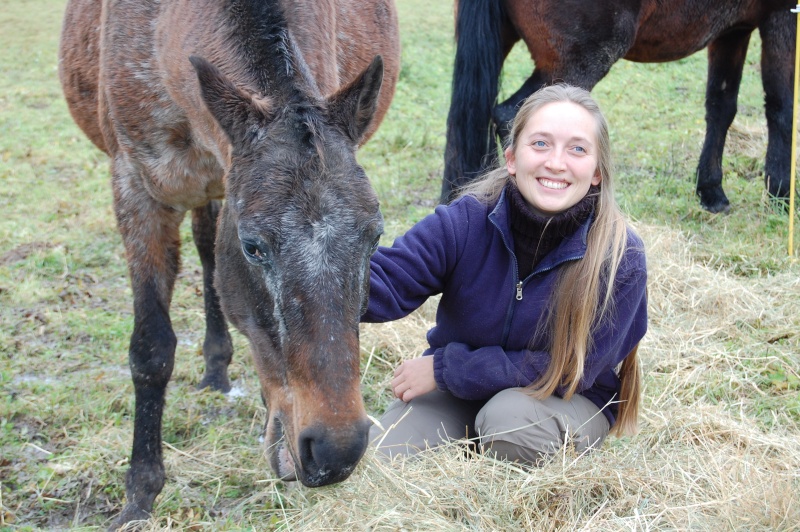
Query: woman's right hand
[413,378]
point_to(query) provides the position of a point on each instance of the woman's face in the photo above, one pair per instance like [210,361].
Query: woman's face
[555,157]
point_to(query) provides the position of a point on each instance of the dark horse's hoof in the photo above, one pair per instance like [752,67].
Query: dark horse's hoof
[216,381]
[131,518]
[714,200]
[503,120]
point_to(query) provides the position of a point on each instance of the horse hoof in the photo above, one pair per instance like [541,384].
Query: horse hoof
[714,201]
[503,118]
[217,382]
[724,208]
[131,518]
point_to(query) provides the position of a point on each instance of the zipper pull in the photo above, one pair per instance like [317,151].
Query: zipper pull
[519,291]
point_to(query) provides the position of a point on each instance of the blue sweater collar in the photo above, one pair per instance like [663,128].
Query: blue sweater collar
[571,248]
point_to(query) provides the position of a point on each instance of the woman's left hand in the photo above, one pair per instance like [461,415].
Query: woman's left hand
[413,378]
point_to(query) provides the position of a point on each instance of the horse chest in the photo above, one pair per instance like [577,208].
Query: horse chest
[186,178]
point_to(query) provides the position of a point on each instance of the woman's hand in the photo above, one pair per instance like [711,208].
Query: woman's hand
[413,378]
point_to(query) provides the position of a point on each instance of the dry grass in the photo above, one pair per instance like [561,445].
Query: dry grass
[712,454]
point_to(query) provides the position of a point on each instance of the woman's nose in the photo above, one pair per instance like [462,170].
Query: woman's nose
[555,162]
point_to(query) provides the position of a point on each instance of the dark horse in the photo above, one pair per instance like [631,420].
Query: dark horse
[577,42]
[262,103]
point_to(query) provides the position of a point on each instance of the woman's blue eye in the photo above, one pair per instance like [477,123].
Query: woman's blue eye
[580,149]
[539,143]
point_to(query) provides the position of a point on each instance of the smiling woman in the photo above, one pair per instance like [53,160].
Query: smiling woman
[543,298]
[554,160]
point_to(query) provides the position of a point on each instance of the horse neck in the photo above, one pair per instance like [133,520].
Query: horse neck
[313,24]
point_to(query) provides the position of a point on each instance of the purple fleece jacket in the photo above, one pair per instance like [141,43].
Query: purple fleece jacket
[487,316]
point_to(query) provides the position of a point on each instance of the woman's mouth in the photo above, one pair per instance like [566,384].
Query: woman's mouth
[554,185]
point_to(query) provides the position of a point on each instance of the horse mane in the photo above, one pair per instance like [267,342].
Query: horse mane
[262,34]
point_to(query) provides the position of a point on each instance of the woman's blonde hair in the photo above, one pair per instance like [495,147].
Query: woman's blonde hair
[583,295]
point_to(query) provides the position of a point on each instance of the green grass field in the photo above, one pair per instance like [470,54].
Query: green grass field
[719,447]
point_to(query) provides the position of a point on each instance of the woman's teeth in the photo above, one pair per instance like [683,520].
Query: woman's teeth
[558,185]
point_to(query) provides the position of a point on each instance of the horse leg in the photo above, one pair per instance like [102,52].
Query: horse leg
[503,113]
[777,75]
[217,347]
[726,56]
[150,232]
[573,62]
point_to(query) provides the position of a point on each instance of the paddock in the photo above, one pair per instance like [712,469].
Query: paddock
[719,445]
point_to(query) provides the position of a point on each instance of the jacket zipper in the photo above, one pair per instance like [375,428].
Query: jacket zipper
[519,291]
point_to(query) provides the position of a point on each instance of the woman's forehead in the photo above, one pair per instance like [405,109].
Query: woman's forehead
[562,118]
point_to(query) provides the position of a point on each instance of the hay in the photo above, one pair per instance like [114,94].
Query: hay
[707,457]
[718,449]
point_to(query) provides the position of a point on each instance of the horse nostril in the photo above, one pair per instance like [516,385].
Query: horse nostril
[329,456]
[305,448]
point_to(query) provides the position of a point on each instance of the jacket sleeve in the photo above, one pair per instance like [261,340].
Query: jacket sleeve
[478,373]
[416,266]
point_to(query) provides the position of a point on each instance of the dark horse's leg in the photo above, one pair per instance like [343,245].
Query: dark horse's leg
[777,74]
[503,113]
[726,56]
[150,232]
[217,347]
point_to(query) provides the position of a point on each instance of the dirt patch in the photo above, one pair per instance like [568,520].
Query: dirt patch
[22,252]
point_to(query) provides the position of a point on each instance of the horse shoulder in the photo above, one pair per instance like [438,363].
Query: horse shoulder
[366,28]
[154,112]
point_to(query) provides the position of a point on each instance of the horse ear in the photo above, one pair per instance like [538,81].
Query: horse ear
[234,109]
[353,106]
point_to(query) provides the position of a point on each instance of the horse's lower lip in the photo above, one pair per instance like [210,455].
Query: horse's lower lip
[282,460]
[287,469]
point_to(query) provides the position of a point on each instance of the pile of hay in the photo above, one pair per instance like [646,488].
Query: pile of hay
[718,449]
[706,458]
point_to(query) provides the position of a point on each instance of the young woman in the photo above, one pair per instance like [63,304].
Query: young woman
[543,298]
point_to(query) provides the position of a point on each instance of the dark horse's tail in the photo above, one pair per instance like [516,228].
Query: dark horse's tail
[476,75]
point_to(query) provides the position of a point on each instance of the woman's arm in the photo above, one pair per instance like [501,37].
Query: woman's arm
[416,266]
[479,373]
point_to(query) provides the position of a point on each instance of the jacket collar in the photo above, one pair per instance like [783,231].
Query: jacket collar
[571,248]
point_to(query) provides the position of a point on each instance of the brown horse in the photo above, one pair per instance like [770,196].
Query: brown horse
[262,103]
[577,42]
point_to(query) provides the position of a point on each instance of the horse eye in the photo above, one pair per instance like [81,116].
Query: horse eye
[250,249]
[252,253]
[374,247]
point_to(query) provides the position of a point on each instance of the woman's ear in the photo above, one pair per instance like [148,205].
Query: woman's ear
[597,178]
[511,161]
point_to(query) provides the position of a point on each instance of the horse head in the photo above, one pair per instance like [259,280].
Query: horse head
[298,226]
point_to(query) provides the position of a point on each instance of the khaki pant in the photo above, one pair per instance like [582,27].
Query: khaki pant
[512,425]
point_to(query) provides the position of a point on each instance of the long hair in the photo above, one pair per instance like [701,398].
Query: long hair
[583,297]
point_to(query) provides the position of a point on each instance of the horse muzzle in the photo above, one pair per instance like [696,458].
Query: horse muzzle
[320,455]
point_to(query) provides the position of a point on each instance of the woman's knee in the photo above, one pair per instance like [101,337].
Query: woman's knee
[515,421]
[515,426]
[425,422]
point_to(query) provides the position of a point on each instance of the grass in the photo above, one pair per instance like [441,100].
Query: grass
[719,447]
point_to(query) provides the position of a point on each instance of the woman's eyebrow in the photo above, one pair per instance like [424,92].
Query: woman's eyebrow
[576,138]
